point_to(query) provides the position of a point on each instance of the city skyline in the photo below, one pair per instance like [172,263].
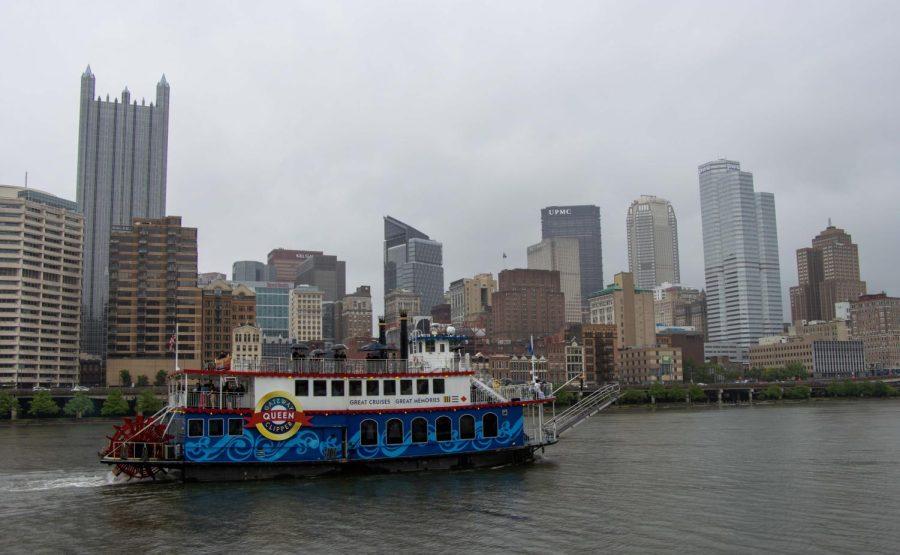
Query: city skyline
[212,159]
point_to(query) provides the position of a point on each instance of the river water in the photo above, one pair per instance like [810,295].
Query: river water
[819,477]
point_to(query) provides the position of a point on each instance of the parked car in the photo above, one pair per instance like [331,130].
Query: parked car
[40,388]
[80,388]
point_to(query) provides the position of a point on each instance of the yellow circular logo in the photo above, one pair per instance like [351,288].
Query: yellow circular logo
[278,416]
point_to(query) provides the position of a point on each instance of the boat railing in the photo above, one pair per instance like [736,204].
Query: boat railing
[216,400]
[488,391]
[145,452]
[348,366]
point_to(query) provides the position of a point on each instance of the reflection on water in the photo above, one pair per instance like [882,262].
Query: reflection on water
[808,477]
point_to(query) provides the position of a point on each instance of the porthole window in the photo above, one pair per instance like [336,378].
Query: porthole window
[389,387]
[216,427]
[320,388]
[337,388]
[467,427]
[489,425]
[195,427]
[405,387]
[422,387]
[235,426]
[372,387]
[437,386]
[443,429]
[301,388]
[355,388]
[368,432]
[419,430]
[394,431]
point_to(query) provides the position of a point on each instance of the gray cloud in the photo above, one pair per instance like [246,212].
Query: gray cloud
[300,126]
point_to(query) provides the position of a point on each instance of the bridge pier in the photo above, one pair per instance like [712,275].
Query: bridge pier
[719,396]
[750,393]
[13,414]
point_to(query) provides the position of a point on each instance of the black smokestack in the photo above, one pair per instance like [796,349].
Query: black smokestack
[404,336]
[381,334]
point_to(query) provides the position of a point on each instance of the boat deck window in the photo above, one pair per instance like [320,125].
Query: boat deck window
[368,432]
[390,387]
[443,429]
[419,430]
[405,387]
[355,388]
[301,388]
[372,388]
[467,427]
[437,386]
[394,431]
[235,426]
[337,388]
[216,427]
[195,427]
[489,425]
[320,388]
[422,387]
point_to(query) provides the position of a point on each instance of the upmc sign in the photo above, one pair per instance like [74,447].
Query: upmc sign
[559,211]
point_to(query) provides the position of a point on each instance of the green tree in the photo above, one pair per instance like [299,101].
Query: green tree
[696,393]
[143,381]
[8,403]
[795,370]
[160,378]
[675,394]
[43,405]
[772,392]
[125,378]
[79,405]
[115,404]
[633,396]
[147,403]
[879,389]
[657,391]
[797,392]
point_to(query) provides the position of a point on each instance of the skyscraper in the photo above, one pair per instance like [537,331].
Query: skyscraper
[249,270]
[40,288]
[561,254]
[152,294]
[326,272]
[414,262]
[582,223]
[122,157]
[740,251]
[284,263]
[652,242]
[827,273]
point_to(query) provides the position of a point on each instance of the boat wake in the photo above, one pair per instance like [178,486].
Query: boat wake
[53,480]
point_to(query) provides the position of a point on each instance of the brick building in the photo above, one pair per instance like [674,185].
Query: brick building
[152,285]
[528,302]
[225,307]
[875,320]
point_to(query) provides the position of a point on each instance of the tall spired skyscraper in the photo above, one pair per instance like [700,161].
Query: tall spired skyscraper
[122,153]
[740,252]
[652,242]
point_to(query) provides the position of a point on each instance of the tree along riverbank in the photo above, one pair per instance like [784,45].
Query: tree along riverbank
[693,394]
[43,405]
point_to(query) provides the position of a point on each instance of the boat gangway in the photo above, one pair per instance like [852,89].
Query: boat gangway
[585,408]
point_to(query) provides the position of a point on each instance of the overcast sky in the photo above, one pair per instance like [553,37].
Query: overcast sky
[300,126]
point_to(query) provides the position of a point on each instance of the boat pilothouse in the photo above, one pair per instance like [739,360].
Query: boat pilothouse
[317,413]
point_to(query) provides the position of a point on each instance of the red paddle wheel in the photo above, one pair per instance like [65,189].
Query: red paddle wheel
[136,441]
